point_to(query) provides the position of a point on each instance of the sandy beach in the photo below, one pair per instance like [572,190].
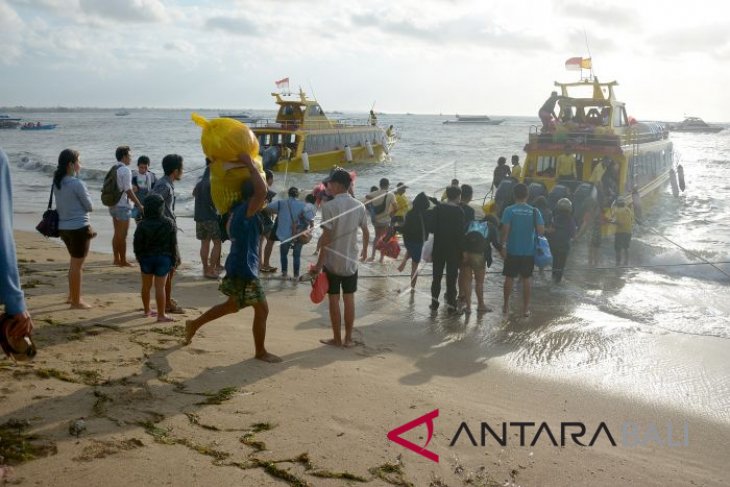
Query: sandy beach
[157,413]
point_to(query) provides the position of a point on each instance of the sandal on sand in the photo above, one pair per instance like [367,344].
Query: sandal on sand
[268,268]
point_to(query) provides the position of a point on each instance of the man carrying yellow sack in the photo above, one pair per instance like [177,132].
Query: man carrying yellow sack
[241,284]
[223,140]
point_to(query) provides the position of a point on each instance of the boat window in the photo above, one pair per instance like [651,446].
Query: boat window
[619,117]
[546,166]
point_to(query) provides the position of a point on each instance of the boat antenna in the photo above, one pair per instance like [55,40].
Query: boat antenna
[311,87]
[588,48]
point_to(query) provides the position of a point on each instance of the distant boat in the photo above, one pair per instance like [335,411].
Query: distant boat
[304,139]
[474,120]
[693,124]
[38,126]
[241,117]
[122,113]
[8,122]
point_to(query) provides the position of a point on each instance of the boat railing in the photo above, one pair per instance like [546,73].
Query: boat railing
[309,124]
[591,139]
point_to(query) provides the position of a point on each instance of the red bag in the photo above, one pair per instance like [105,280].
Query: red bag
[389,247]
[320,286]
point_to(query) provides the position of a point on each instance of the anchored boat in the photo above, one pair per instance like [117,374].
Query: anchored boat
[8,122]
[38,126]
[693,124]
[303,139]
[241,117]
[474,120]
[612,154]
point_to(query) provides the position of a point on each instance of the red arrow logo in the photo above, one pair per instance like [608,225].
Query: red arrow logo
[394,435]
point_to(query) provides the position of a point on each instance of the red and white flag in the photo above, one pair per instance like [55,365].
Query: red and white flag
[578,63]
[282,84]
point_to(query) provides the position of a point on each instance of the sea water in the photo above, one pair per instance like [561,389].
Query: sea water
[658,331]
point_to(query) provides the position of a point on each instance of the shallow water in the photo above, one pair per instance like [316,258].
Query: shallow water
[657,331]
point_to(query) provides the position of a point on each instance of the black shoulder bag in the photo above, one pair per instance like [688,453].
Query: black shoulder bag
[49,223]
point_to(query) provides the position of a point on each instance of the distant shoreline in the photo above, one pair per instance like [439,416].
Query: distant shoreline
[24,109]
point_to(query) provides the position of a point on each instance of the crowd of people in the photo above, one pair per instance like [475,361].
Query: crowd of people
[446,232]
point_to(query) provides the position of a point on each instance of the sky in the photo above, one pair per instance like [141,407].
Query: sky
[422,56]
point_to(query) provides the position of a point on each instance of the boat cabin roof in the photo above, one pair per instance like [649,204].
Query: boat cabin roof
[302,112]
[596,89]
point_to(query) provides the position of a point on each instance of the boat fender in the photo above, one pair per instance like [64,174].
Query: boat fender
[348,153]
[369,148]
[305,161]
[680,177]
[673,181]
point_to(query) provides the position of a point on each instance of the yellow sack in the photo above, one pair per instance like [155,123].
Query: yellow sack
[223,140]
[489,207]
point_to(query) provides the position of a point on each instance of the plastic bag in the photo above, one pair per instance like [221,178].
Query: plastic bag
[543,256]
[320,286]
[427,252]
[388,245]
[223,140]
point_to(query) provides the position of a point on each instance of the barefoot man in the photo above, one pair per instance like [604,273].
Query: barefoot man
[241,284]
[122,211]
[341,218]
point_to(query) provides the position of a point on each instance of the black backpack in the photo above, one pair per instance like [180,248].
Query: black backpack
[110,192]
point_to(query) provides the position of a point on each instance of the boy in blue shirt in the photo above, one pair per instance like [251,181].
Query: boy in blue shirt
[241,283]
[519,224]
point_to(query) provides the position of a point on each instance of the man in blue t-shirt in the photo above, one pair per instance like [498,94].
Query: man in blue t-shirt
[241,283]
[519,224]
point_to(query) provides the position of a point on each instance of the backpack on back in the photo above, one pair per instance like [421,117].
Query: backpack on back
[475,240]
[110,192]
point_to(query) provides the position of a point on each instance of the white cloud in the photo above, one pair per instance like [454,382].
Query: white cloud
[601,13]
[126,10]
[11,29]
[238,25]
[411,55]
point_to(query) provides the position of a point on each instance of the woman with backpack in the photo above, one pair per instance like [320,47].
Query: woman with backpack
[288,228]
[560,234]
[383,204]
[480,237]
[414,235]
[73,204]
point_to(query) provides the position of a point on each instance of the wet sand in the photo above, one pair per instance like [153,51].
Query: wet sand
[156,412]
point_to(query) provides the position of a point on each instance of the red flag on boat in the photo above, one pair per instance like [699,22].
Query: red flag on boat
[282,84]
[578,63]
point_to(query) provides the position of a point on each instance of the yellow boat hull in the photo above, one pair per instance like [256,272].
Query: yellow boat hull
[325,161]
